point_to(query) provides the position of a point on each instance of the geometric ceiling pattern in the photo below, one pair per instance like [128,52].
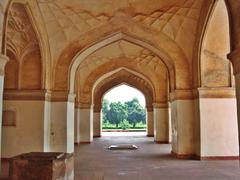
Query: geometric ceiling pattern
[68,20]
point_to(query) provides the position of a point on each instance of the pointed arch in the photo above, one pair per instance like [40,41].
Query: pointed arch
[118,77]
[114,38]
[38,25]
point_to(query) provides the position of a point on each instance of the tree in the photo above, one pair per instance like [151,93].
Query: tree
[117,113]
[136,113]
[105,109]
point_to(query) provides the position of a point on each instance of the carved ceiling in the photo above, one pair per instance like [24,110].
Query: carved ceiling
[21,37]
[67,20]
[122,54]
[122,49]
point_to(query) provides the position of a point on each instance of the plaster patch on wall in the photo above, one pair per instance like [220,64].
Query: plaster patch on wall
[9,118]
[215,69]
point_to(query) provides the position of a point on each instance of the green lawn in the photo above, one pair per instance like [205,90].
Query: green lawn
[139,126]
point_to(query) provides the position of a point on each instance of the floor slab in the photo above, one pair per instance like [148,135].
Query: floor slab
[150,162]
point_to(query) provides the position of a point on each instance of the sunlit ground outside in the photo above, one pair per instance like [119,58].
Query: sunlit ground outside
[123,112]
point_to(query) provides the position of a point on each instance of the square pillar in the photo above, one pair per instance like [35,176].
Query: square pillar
[150,122]
[237,79]
[85,123]
[59,122]
[183,124]
[161,122]
[77,126]
[218,123]
[3,61]
[97,123]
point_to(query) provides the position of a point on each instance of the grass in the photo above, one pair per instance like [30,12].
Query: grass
[109,126]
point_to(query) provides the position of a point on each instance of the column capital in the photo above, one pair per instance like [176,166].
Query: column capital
[56,96]
[183,94]
[71,97]
[3,61]
[234,57]
[223,92]
[97,108]
[84,105]
[149,108]
[160,105]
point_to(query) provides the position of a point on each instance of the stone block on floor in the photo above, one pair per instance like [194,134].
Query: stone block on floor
[42,166]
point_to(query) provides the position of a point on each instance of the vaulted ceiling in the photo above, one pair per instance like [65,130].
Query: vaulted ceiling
[62,29]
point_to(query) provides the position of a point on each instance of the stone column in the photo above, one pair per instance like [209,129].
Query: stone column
[161,123]
[59,122]
[70,123]
[85,123]
[218,132]
[3,62]
[150,122]
[77,126]
[234,57]
[237,79]
[182,116]
[97,122]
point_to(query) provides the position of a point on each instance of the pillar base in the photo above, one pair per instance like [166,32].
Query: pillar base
[85,142]
[162,142]
[98,136]
[204,158]
[150,135]
[184,156]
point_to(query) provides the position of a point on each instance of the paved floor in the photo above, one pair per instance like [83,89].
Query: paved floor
[150,162]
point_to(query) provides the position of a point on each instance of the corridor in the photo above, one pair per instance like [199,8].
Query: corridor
[150,162]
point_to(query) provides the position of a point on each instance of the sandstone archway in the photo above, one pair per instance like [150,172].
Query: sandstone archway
[120,36]
[116,79]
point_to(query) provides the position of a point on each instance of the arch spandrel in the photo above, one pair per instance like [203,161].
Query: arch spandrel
[159,80]
[183,77]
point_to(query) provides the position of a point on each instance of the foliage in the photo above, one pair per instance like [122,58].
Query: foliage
[136,113]
[117,113]
[105,109]
[125,124]
[123,115]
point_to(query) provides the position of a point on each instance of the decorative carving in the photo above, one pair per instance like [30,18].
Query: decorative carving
[172,20]
[122,49]
[21,37]
[24,69]
[66,21]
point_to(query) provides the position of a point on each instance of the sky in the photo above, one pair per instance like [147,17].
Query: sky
[124,93]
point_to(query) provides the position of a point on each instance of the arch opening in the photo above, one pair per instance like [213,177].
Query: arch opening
[123,111]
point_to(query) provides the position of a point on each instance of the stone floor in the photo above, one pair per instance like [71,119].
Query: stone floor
[150,162]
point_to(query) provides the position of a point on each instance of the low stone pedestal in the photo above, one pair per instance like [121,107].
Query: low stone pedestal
[42,166]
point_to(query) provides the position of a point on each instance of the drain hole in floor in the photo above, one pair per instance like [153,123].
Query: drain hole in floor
[123,147]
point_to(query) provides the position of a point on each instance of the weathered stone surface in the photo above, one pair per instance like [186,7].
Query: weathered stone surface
[42,166]
[170,50]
